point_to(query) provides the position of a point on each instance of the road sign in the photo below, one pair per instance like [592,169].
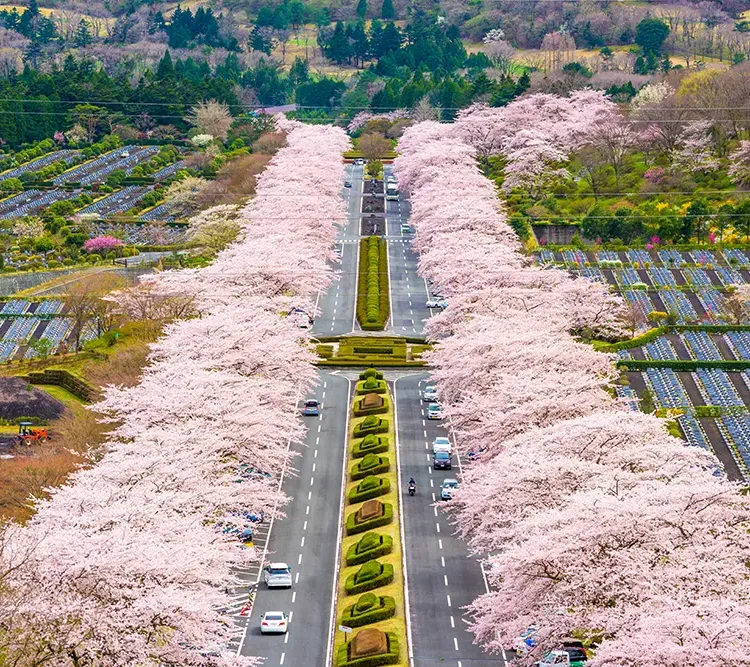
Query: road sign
[345,628]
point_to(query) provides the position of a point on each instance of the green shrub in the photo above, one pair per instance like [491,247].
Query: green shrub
[371,464]
[373,301]
[370,576]
[370,608]
[372,386]
[371,546]
[370,444]
[325,351]
[360,411]
[707,411]
[390,658]
[353,528]
[371,424]
[379,487]
[370,373]
[680,365]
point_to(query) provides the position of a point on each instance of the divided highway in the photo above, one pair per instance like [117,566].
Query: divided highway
[442,578]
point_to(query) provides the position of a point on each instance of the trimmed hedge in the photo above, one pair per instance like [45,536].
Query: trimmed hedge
[371,424]
[359,411]
[371,464]
[370,576]
[390,658]
[373,301]
[707,411]
[353,363]
[370,444]
[679,365]
[370,487]
[325,351]
[371,386]
[370,373]
[371,546]
[353,528]
[377,609]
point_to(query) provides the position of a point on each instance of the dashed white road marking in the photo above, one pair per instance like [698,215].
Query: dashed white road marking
[304,526]
[437,526]
[281,662]
[299,559]
[307,510]
[302,542]
[455,643]
[449,600]
[294,598]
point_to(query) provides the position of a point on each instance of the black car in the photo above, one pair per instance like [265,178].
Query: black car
[441,461]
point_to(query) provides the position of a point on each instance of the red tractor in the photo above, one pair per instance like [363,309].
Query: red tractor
[28,434]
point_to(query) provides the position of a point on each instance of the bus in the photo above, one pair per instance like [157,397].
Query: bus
[391,191]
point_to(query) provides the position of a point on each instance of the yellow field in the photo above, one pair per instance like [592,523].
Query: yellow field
[45,11]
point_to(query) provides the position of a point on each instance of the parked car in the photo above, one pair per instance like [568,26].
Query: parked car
[347,184]
[277,575]
[430,393]
[442,445]
[311,409]
[441,461]
[564,658]
[526,641]
[447,488]
[274,622]
[442,304]
[434,411]
[432,302]
[391,178]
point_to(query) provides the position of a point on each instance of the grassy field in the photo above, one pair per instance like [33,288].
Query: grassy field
[46,11]
[395,590]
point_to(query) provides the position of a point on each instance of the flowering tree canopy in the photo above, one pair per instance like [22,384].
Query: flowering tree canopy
[595,518]
[127,563]
[102,244]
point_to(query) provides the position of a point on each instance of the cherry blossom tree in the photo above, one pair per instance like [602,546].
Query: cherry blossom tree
[696,150]
[129,562]
[595,519]
[739,164]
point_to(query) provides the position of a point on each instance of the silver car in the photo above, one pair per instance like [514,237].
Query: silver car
[430,394]
[277,575]
[442,445]
[447,488]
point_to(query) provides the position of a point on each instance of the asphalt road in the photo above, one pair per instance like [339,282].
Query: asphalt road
[408,290]
[442,578]
[336,305]
[306,539]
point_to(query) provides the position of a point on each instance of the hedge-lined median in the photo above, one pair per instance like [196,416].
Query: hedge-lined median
[371,588]
[373,301]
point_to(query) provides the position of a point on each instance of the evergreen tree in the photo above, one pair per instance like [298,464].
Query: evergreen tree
[165,69]
[388,11]
[83,34]
[338,48]
[362,9]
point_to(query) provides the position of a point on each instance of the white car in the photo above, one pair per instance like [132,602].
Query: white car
[442,445]
[434,411]
[359,162]
[277,575]
[274,623]
[447,488]
[430,393]
[124,154]
[433,302]
[405,229]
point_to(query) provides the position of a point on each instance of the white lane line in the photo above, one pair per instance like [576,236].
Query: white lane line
[435,508]
[433,498]
[455,643]
[302,542]
[453,623]
[440,543]
[432,484]
[319,427]
[296,578]
[449,600]
[313,467]
[281,662]
[299,559]
[286,638]
[291,613]
[312,481]
[307,510]
[425,433]
[294,597]
[445,576]
[309,495]
[442,561]
[317,441]
[437,526]
[315,456]
[304,526]
[429,470]
[426,445]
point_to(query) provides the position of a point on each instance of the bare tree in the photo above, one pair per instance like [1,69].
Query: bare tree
[633,318]
[373,146]
[212,118]
[86,306]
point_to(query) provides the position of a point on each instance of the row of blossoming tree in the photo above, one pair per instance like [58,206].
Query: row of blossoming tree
[129,563]
[594,520]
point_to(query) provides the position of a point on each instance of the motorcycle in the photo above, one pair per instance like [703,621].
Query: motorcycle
[412,489]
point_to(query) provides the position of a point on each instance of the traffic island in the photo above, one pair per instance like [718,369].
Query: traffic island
[370,589]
